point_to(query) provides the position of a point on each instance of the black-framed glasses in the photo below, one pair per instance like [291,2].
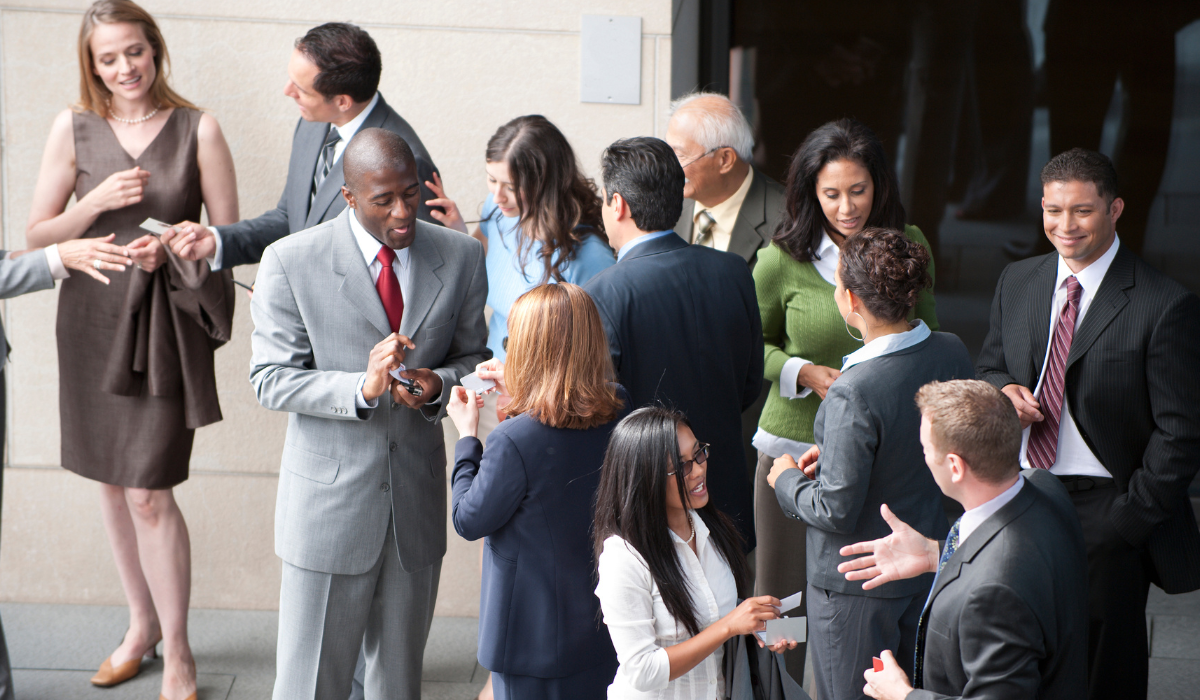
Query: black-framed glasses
[699,456]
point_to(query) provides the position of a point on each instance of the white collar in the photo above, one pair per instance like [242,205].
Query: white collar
[826,246]
[888,344]
[370,245]
[975,517]
[350,128]
[1091,276]
[701,532]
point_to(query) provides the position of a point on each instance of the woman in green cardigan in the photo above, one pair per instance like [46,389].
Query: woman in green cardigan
[839,183]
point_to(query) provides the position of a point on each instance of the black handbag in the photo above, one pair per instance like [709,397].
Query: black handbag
[757,673]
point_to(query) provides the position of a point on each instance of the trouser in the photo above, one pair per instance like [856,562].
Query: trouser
[325,619]
[1118,585]
[845,631]
[6,690]
[780,556]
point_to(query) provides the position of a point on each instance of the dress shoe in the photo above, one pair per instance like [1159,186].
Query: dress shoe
[190,697]
[108,676]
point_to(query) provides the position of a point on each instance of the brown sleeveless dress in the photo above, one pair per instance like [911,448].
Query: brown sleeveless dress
[135,357]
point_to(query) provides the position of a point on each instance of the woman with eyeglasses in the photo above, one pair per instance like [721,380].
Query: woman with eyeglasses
[670,565]
[868,453]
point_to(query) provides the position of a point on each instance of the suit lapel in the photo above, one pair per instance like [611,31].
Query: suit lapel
[331,189]
[425,285]
[744,239]
[356,284]
[1108,302]
[308,149]
[1041,298]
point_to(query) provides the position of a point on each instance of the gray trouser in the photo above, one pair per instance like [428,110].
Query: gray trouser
[326,619]
[6,690]
[845,631]
[780,556]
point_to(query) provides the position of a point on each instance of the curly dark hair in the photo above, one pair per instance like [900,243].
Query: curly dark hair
[1082,165]
[886,269]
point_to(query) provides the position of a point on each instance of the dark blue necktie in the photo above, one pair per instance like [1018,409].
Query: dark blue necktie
[947,552]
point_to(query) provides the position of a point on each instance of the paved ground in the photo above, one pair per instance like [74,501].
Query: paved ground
[56,648]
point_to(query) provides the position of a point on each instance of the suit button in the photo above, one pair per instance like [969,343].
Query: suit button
[395,405]
[392,447]
[384,487]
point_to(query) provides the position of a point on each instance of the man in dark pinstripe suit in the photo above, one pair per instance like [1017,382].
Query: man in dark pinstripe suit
[1100,355]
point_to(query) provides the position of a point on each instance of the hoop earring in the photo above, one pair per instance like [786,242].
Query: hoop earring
[847,322]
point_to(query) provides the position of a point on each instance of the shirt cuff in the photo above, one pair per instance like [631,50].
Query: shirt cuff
[214,261]
[787,379]
[359,401]
[57,270]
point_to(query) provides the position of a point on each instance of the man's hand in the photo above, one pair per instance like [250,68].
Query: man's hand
[889,684]
[82,254]
[190,241]
[1027,406]
[147,252]
[464,411]
[817,378]
[431,387]
[903,554]
[780,466]
[385,357]
[808,462]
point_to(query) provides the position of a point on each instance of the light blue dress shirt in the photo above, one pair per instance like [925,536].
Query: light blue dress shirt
[508,279]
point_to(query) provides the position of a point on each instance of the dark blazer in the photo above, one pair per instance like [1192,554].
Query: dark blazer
[243,243]
[757,220]
[531,495]
[1131,381]
[1008,616]
[683,328]
[868,429]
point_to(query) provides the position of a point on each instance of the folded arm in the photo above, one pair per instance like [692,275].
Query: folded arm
[488,485]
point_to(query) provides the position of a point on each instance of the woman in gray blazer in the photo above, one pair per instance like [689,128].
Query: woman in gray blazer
[868,453]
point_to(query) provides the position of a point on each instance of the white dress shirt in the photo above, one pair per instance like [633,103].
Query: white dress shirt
[1074,457]
[724,214]
[643,238]
[347,132]
[972,519]
[642,629]
[57,270]
[370,246]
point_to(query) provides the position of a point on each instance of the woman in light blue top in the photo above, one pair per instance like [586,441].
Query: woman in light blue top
[541,221]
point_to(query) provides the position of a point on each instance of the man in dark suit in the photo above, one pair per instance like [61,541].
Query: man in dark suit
[333,76]
[1007,613]
[682,320]
[1100,355]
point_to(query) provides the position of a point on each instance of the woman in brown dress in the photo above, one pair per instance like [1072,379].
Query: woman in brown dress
[136,356]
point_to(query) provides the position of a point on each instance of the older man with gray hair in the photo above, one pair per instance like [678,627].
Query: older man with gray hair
[728,205]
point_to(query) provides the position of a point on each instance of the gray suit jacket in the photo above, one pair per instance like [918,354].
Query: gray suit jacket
[1008,617]
[316,317]
[243,243]
[28,273]
[868,429]
[757,220]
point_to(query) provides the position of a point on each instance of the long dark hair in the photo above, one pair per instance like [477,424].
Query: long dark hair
[559,206]
[631,503]
[845,139]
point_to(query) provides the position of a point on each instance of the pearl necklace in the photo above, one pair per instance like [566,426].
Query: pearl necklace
[139,120]
[693,528]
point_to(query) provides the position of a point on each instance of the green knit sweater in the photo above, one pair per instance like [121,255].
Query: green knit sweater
[801,319]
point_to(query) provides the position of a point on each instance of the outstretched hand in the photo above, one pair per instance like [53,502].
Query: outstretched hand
[903,554]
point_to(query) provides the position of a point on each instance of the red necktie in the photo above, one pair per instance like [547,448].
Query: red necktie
[389,288]
[1043,437]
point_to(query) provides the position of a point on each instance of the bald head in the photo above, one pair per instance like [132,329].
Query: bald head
[375,150]
[713,121]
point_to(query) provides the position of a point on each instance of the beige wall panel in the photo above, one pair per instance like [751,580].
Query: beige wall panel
[544,15]
[55,549]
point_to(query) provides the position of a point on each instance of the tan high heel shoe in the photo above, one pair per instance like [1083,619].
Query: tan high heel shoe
[190,697]
[108,676]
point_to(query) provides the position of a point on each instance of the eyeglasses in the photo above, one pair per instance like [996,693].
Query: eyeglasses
[706,154]
[699,456]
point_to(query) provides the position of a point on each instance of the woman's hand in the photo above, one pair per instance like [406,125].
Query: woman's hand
[464,411]
[781,465]
[808,462]
[817,378]
[751,615]
[90,255]
[147,252]
[118,190]
[452,218]
[493,369]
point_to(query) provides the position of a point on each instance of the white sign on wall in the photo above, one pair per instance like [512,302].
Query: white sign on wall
[611,60]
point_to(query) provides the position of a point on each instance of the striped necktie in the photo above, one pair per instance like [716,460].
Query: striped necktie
[1042,449]
[705,223]
[947,552]
[325,161]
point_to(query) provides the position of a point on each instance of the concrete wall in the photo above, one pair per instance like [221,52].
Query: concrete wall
[455,70]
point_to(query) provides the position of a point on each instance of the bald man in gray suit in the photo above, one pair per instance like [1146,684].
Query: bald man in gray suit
[360,520]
